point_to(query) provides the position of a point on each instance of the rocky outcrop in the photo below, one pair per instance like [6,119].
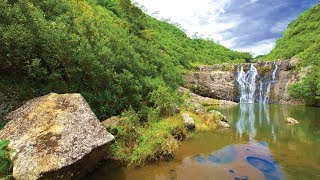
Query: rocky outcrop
[211,82]
[56,136]
[188,121]
[198,103]
[219,81]
[291,121]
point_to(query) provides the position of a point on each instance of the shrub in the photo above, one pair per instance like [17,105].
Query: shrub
[5,161]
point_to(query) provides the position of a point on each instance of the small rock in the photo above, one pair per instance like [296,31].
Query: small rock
[176,109]
[218,116]
[223,124]
[291,121]
[112,121]
[188,121]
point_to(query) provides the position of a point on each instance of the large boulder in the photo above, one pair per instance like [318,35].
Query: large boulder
[56,136]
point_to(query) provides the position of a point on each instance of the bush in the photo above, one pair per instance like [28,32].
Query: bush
[5,161]
[308,89]
[137,144]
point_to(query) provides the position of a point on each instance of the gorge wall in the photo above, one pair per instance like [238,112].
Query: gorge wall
[271,81]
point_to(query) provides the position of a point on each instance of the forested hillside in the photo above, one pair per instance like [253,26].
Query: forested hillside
[301,40]
[108,50]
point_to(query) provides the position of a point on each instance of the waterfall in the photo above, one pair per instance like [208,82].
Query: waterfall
[266,95]
[273,75]
[247,84]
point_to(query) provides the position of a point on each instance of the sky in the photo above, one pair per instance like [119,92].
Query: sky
[243,25]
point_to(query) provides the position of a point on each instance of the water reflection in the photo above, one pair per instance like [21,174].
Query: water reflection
[242,161]
[246,123]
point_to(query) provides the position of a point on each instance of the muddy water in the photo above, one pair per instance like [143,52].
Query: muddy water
[258,146]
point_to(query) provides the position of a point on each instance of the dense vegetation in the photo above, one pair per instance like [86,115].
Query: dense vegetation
[108,50]
[301,40]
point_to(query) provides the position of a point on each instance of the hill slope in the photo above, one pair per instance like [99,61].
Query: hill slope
[301,39]
[108,50]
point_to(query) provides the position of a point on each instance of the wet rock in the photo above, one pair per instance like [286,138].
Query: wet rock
[291,121]
[111,122]
[56,136]
[188,121]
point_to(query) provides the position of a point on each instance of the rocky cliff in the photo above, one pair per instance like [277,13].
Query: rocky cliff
[220,81]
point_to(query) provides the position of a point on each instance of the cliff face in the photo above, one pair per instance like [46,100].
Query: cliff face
[220,81]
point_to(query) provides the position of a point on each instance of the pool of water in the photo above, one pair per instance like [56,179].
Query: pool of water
[259,145]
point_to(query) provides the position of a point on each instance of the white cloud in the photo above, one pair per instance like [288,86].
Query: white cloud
[250,25]
[205,17]
[261,47]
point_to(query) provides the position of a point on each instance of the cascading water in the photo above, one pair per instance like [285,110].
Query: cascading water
[247,84]
[273,75]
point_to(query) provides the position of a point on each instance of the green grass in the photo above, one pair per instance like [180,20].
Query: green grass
[138,144]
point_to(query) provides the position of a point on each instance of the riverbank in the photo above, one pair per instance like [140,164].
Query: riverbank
[138,143]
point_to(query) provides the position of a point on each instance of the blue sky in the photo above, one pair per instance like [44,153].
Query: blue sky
[244,25]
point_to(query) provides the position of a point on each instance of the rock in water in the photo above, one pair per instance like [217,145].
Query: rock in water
[223,124]
[56,136]
[220,119]
[188,121]
[290,120]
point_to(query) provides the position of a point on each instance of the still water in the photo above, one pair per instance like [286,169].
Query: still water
[258,146]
